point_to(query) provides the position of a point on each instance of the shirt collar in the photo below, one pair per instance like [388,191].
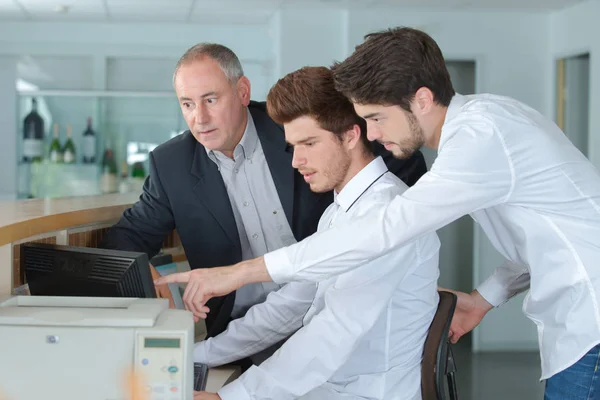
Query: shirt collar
[244,148]
[454,108]
[360,183]
[458,100]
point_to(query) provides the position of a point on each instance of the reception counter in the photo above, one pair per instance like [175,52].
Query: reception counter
[77,221]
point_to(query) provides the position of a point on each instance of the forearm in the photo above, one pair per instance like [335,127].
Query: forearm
[250,271]
[138,231]
[306,361]
[293,371]
[263,325]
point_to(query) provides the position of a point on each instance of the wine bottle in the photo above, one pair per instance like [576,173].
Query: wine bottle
[56,154]
[109,165]
[33,135]
[88,148]
[109,183]
[69,149]
[124,185]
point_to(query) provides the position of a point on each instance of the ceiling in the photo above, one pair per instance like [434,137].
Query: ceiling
[230,11]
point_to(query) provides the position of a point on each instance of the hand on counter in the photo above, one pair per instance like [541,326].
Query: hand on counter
[206,396]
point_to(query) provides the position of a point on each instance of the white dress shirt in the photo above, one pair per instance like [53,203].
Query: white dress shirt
[261,222]
[358,335]
[534,194]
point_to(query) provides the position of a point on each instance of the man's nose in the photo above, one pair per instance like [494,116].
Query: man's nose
[202,115]
[298,159]
[372,132]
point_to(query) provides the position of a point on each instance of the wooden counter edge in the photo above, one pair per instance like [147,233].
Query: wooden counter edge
[56,222]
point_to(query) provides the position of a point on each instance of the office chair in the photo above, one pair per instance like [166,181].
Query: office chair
[438,360]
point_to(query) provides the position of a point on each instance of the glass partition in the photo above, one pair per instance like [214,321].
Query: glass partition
[77,159]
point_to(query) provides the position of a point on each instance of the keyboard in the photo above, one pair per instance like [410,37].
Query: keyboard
[200,376]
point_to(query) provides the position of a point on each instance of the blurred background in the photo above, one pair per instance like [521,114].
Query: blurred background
[86,93]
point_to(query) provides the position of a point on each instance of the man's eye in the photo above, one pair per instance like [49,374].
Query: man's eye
[211,100]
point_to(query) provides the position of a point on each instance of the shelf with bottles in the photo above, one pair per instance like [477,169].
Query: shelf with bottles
[126,125]
[48,126]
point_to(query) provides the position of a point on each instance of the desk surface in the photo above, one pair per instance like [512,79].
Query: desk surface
[220,376]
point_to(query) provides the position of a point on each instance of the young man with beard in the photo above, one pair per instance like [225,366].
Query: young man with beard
[357,335]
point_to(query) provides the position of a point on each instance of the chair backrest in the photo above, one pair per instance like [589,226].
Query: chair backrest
[435,351]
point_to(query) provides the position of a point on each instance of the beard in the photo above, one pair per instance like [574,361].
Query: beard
[333,174]
[408,147]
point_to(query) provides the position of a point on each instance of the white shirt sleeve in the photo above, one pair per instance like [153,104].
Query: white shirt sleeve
[473,171]
[263,325]
[313,354]
[508,280]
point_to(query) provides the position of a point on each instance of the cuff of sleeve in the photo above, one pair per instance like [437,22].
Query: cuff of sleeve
[494,292]
[234,391]
[278,263]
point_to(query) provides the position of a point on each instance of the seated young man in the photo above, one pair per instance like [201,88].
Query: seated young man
[359,335]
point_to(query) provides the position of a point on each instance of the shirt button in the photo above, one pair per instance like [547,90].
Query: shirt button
[255,236]
[275,212]
[236,170]
[245,204]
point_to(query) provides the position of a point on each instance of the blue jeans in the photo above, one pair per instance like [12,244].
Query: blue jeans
[581,381]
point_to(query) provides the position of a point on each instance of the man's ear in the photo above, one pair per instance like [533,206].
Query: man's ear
[243,89]
[352,136]
[423,102]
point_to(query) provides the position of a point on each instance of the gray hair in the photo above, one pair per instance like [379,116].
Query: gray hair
[223,55]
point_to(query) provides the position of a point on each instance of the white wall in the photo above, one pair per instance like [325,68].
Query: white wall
[309,36]
[576,31]
[250,42]
[158,45]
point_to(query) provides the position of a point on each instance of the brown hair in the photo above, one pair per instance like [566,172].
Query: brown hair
[310,91]
[390,66]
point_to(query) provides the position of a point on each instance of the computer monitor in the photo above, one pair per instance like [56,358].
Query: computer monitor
[56,270]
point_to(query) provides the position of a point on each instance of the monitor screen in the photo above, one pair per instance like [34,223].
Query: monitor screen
[56,270]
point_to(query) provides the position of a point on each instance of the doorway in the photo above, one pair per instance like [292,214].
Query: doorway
[573,99]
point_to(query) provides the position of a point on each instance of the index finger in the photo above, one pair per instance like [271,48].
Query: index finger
[178,277]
